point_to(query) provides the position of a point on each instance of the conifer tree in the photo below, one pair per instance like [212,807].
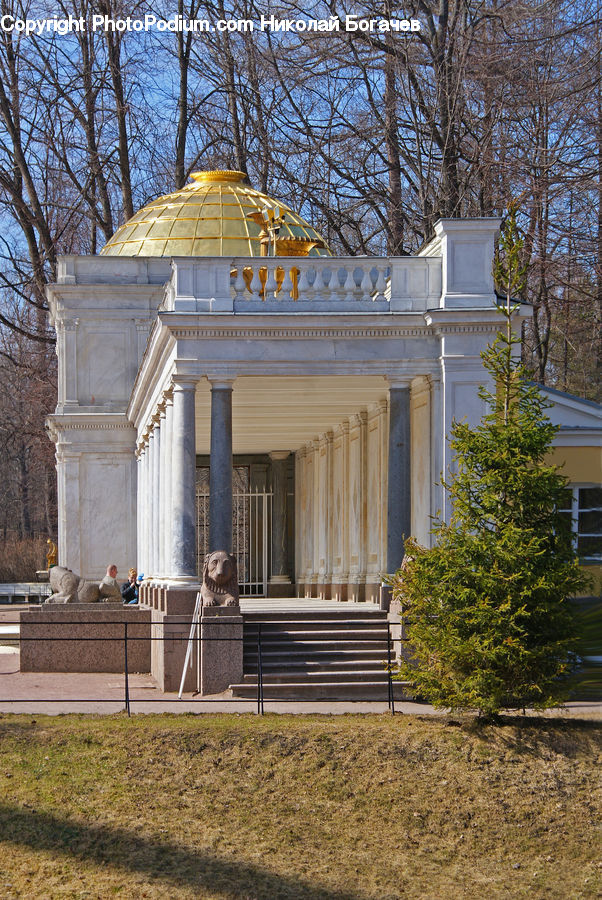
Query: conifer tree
[489,620]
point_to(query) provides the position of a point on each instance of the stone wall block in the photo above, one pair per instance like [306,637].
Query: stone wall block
[84,637]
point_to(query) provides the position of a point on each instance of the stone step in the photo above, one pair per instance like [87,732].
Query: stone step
[269,626]
[326,634]
[296,615]
[293,676]
[343,690]
[316,654]
[333,654]
[351,664]
[282,646]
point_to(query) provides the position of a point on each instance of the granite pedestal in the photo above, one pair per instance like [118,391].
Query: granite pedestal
[84,637]
[221,648]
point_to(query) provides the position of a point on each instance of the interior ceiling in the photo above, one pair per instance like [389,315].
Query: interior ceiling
[283,413]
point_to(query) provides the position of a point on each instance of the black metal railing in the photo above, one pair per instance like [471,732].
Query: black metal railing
[128,639]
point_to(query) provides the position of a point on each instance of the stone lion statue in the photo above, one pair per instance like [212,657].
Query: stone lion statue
[67,587]
[220,580]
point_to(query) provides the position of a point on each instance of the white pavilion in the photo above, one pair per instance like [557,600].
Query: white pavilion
[227,383]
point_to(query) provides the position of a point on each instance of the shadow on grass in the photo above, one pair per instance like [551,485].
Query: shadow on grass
[171,863]
[534,735]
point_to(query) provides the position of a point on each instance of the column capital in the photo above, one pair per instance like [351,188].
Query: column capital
[221,382]
[183,382]
[279,454]
[399,381]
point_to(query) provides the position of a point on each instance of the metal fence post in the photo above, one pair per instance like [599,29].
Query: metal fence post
[125,665]
[389,672]
[259,673]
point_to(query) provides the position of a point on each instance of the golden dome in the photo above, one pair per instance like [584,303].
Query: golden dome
[211,217]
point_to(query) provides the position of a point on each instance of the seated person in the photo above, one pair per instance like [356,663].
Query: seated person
[109,588]
[129,590]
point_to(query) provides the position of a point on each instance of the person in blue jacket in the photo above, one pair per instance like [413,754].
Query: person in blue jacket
[129,590]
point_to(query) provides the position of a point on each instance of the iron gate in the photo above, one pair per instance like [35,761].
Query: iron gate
[251,531]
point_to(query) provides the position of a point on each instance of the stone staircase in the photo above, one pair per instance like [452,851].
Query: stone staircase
[316,651]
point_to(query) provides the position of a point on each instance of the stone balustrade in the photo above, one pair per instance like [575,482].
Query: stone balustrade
[306,280]
[448,274]
[453,271]
[304,284]
[335,284]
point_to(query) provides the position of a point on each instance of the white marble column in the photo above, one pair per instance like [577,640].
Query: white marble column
[317,488]
[183,489]
[155,490]
[340,470]
[166,483]
[139,519]
[358,440]
[329,510]
[437,447]
[145,505]
[150,501]
[162,491]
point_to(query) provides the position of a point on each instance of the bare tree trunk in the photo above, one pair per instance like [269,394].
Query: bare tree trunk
[184,45]
[395,230]
[114,40]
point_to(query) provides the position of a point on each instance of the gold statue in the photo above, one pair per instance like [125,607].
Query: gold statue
[51,556]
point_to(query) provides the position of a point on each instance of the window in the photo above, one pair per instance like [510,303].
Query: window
[584,506]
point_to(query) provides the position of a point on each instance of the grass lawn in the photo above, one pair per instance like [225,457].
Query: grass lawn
[340,808]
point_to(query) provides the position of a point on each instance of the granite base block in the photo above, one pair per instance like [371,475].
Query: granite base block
[84,637]
[221,649]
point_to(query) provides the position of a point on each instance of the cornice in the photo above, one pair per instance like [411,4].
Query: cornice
[464,320]
[116,288]
[287,332]
[72,422]
[94,426]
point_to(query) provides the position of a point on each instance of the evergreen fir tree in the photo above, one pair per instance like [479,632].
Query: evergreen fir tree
[490,624]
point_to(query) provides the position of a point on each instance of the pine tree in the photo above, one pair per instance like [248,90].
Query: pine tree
[489,620]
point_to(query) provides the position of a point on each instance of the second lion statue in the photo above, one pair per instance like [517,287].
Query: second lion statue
[220,580]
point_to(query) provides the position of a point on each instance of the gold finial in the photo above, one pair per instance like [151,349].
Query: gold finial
[217,175]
